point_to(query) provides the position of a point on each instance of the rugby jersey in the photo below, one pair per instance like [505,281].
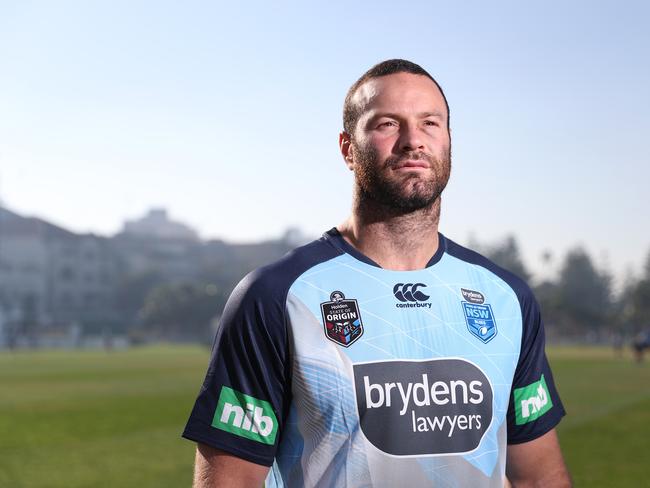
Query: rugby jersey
[337,372]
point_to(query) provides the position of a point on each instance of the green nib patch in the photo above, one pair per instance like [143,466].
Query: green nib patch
[531,402]
[245,416]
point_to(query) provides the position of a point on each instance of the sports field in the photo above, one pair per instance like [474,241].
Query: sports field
[97,419]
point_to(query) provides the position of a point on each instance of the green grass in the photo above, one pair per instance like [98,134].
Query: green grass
[78,419]
[605,436]
[73,419]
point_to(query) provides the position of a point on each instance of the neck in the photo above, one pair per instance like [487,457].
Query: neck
[394,239]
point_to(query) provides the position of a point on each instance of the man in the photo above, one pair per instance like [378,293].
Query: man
[383,354]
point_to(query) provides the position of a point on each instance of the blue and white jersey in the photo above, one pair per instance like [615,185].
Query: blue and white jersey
[337,372]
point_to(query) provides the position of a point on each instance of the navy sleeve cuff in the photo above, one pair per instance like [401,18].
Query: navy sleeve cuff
[228,447]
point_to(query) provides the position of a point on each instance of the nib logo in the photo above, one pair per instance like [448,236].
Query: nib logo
[410,295]
[531,402]
[245,416]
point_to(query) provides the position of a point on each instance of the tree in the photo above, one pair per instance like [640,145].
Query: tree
[585,295]
[507,255]
[640,300]
[549,297]
[181,310]
[636,301]
[132,291]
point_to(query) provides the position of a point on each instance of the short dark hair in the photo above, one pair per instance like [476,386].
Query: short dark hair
[352,112]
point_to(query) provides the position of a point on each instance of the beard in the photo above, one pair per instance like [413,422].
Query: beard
[406,193]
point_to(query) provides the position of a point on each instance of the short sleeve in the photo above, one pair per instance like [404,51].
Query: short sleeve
[243,401]
[535,406]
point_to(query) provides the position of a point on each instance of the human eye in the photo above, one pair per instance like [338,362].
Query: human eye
[386,124]
[431,123]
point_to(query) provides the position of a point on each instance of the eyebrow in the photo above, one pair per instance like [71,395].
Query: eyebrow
[397,116]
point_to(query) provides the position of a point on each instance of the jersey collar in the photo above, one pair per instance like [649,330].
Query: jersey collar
[336,239]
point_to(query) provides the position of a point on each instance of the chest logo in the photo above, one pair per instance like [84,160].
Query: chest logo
[423,408]
[480,321]
[472,296]
[341,319]
[410,295]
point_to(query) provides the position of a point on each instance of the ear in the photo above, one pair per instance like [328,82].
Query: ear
[345,145]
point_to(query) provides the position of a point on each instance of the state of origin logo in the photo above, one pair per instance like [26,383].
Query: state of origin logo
[341,319]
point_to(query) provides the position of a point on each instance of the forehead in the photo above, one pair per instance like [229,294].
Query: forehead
[400,92]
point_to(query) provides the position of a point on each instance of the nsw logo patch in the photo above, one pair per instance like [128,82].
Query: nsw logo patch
[480,321]
[341,319]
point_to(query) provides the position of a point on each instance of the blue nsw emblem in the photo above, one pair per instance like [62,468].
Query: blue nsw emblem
[480,321]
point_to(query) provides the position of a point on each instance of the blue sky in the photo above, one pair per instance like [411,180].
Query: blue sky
[228,115]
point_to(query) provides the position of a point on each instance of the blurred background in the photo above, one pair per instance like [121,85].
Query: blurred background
[152,153]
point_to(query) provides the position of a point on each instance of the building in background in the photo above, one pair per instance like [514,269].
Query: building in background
[59,288]
[52,280]
[156,224]
[156,243]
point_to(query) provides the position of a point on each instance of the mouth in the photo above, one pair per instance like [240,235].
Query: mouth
[413,161]
[411,164]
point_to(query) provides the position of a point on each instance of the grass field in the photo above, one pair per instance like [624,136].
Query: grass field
[96,419]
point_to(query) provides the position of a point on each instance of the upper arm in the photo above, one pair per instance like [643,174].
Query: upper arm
[533,455]
[537,463]
[213,468]
[535,406]
[243,402]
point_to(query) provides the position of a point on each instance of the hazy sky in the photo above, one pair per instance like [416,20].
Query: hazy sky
[228,113]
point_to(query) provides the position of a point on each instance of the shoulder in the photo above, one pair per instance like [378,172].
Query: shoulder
[254,318]
[271,283]
[519,286]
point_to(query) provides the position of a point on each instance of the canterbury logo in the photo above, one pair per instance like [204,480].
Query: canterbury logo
[409,292]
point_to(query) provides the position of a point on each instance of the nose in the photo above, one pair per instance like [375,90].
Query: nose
[410,138]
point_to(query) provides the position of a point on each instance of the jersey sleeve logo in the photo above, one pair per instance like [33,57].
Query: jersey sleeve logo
[341,319]
[531,402]
[245,416]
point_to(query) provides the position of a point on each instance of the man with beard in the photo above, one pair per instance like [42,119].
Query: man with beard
[383,353]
